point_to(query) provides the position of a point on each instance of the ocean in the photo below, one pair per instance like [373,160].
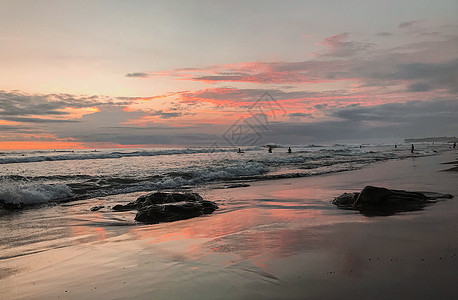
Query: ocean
[53,176]
[274,235]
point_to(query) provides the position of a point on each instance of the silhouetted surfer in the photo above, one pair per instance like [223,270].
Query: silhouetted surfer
[289,150]
[412,148]
[240,151]
[454,145]
[270,149]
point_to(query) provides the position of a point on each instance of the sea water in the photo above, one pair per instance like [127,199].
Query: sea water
[37,177]
[276,239]
[58,189]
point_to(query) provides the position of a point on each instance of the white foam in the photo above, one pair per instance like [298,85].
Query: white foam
[212,174]
[83,155]
[32,193]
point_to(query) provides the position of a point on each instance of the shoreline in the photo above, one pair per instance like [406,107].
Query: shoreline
[275,239]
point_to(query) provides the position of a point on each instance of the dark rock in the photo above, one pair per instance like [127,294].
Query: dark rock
[161,198]
[372,196]
[232,186]
[9,205]
[96,208]
[236,185]
[120,207]
[167,207]
[170,212]
[346,199]
[158,198]
[381,201]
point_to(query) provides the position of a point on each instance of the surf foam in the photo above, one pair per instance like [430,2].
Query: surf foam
[27,193]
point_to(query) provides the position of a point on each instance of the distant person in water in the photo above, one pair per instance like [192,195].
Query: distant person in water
[412,148]
[454,145]
[289,150]
[240,151]
[270,149]
[395,146]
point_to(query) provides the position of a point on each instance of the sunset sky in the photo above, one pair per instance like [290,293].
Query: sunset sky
[90,74]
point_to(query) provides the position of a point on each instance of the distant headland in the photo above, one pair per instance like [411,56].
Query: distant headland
[439,139]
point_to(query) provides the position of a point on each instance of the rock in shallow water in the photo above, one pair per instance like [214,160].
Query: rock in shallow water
[167,207]
[10,205]
[381,201]
[97,208]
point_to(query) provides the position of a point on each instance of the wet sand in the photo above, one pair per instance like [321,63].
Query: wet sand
[278,239]
[454,168]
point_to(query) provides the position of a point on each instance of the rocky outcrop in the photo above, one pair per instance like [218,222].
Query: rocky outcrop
[381,201]
[168,207]
[5,205]
[97,208]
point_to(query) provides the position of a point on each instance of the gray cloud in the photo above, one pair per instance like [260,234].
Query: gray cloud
[138,74]
[430,34]
[339,46]
[248,96]
[408,25]
[348,58]
[4,128]
[37,120]
[384,34]
[321,106]
[419,87]
[353,122]
[389,121]
[155,137]
[17,132]
[382,70]
[393,122]
[165,115]
[17,104]
[425,70]
[228,77]
[160,134]
[169,115]
[398,112]
[29,106]
[429,76]
[299,116]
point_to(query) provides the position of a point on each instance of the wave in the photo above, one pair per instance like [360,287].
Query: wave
[44,187]
[28,193]
[24,191]
[71,155]
[175,179]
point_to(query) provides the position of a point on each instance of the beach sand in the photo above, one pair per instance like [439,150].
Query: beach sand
[279,239]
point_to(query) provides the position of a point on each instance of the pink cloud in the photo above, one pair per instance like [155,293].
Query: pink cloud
[339,46]
[260,72]
[335,41]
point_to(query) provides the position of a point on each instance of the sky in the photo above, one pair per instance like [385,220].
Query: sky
[95,74]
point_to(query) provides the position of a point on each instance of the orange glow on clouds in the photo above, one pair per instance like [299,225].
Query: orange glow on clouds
[4,122]
[77,113]
[260,73]
[156,97]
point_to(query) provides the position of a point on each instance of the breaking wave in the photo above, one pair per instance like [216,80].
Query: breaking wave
[28,193]
[30,184]
[39,156]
